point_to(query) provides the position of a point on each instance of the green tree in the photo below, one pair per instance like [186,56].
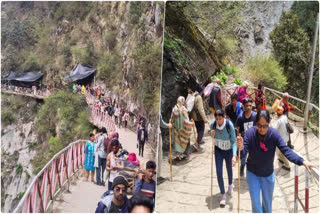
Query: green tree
[219,20]
[291,49]
[307,15]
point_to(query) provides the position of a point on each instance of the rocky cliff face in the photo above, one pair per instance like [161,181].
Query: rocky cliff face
[17,142]
[258,22]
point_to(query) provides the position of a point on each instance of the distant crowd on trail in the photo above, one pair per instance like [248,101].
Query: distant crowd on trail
[111,165]
[38,90]
[121,115]
[237,127]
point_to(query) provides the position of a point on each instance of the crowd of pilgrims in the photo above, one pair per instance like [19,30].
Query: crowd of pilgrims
[237,125]
[107,163]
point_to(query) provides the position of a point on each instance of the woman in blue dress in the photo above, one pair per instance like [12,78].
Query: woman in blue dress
[89,158]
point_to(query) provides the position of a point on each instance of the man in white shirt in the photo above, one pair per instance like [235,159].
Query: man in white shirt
[281,127]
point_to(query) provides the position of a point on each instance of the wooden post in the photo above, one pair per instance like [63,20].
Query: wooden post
[211,172]
[170,152]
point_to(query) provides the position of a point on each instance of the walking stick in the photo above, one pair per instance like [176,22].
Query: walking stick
[211,172]
[170,152]
[239,178]
[194,133]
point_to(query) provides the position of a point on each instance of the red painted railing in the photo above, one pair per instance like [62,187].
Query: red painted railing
[297,199]
[102,119]
[50,180]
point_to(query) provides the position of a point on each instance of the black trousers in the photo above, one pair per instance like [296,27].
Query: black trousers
[200,129]
[141,147]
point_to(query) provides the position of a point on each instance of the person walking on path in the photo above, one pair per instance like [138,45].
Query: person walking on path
[144,183]
[281,127]
[83,89]
[115,200]
[111,162]
[182,128]
[245,121]
[260,98]
[286,109]
[215,102]
[261,142]
[223,132]
[74,88]
[234,109]
[197,113]
[126,118]
[102,155]
[142,138]
[285,104]
[89,158]
[242,92]
[116,114]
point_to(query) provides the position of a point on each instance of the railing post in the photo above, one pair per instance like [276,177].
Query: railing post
[307,192]
[296,189]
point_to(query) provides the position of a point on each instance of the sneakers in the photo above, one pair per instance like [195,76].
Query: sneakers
[230,189]
[223,201]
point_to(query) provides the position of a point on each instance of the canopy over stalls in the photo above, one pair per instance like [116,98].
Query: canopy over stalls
[81,74]
[24,79]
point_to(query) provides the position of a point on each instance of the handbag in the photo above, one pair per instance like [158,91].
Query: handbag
[290,130]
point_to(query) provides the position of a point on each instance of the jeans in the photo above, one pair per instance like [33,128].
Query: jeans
[219,156]
[100,170]
[200,129]
[261,184]
[141,147]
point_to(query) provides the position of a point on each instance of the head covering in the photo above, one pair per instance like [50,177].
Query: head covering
[110,135]
[280,110]
[285,95]
[132,158]
[116,135]
[199,88]
[119,180]
[245,84]
[181,101]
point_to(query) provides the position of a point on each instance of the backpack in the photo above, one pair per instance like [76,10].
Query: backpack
[214,126]
[190,105]
[290,130]
[190,102]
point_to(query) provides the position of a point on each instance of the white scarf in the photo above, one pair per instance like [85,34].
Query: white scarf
[222,126]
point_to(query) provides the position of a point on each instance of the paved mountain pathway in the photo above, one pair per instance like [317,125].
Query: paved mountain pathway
[190,189]
[84,196]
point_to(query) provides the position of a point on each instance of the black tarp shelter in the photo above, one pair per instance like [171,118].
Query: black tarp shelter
[24,79]
[82,74]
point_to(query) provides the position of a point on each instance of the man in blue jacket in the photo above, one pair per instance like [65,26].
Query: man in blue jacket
[115,201]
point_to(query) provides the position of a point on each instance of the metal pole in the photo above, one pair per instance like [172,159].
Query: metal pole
[307,192]
[296,189]
[311,75]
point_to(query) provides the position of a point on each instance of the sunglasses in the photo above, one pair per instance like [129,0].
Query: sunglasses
[124,190]
[262,126]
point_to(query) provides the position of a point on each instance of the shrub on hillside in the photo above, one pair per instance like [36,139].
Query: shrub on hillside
[265,69]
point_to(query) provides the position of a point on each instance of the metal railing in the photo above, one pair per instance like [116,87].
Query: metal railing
[102,119]
[40,94]
[297,199]
[271,95]
[52,178]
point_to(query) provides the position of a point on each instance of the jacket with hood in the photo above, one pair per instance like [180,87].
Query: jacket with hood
[104,204]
